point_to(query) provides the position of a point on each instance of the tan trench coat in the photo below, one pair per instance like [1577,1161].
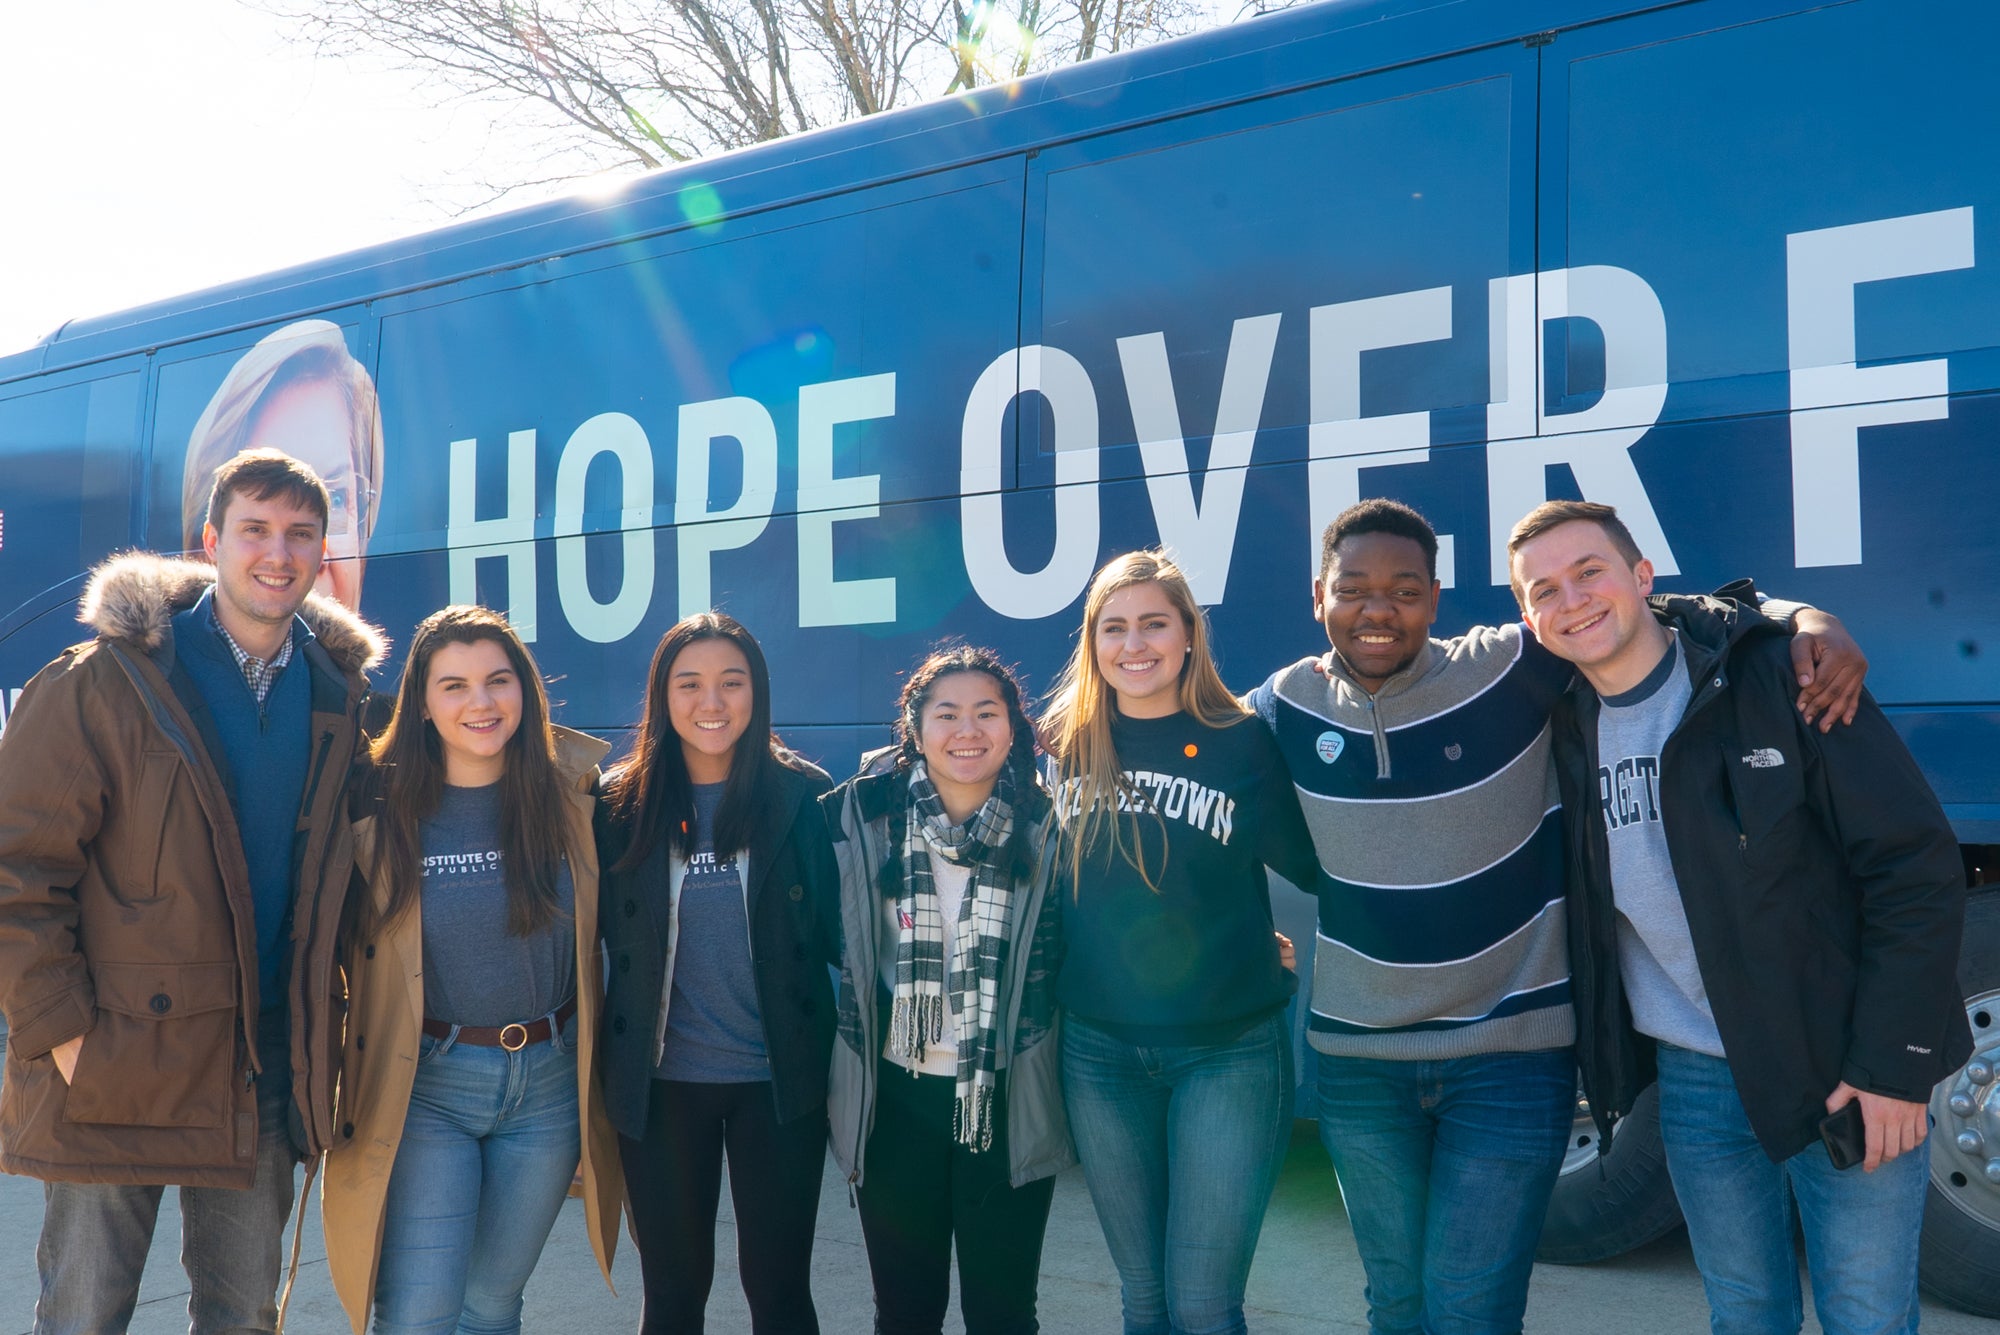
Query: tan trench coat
[378,1070]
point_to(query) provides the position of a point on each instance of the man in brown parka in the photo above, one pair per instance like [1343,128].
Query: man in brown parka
[174,855]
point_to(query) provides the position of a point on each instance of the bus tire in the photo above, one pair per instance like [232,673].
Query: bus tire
[1603,1207]
[1960,1260]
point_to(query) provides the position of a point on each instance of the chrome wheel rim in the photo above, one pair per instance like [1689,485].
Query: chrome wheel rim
[1581,1151]
[1965,1120]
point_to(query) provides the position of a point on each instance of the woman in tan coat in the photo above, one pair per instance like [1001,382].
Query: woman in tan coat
[468,1092]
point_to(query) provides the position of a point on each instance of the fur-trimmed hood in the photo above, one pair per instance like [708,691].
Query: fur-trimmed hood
[133,597]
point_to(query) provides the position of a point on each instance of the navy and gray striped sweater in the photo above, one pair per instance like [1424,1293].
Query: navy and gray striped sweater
[1434,813]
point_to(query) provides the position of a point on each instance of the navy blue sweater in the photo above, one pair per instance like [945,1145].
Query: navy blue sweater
[1190,958]
[265,753]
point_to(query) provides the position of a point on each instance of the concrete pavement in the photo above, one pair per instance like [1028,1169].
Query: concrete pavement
[1307,1277]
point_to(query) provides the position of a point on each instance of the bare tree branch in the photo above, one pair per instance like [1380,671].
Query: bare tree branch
[646,83]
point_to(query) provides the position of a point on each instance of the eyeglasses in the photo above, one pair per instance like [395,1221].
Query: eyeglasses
[350,504]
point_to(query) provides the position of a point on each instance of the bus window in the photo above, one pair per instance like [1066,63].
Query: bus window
[1312,279]
[1719,164]
[66,463]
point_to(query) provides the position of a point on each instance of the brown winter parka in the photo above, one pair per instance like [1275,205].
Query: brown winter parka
[125,902]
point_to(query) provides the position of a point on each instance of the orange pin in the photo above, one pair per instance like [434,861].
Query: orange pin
[1189,750]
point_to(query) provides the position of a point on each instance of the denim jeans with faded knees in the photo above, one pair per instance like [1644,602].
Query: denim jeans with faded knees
[1181,1146]
[95,1237]
[488,1151]
[1861,1228]
[1446,1169]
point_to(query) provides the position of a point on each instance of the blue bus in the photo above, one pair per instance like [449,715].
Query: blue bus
[1727,264]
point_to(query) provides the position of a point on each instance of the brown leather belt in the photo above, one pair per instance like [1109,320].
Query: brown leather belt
[512,1037]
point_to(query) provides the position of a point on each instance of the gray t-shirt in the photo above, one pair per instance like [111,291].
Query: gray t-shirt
[1655,950]
[475,972]
[715,1033]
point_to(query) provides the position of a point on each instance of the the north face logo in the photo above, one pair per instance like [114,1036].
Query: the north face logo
[1765,757]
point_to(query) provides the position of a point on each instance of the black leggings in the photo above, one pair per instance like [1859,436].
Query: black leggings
[673,1180]
[920,1189]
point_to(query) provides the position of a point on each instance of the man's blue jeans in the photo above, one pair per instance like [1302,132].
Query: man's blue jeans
[1446,1169]
[1181,1147]
[1861,1228]
[488,1151]
[95,1237]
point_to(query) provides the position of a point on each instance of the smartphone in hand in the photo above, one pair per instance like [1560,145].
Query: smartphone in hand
[1845,1135]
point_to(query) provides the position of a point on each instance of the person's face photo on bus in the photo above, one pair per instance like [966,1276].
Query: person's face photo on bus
[311,421]
[1377,600]
[300,391]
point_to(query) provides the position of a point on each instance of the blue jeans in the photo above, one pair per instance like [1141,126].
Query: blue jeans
[488,1151]
[1446,1169]
[1181,1146]
[95,1237]
[1861,1228]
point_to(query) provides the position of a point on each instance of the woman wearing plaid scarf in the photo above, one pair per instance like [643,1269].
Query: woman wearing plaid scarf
[945,1096]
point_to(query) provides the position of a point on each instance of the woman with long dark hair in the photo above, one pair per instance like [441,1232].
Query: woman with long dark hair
[946,1098]
[1177,1062]
[720,922]
[467,1093]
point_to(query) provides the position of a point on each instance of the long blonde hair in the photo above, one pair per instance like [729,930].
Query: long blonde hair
[1076,725]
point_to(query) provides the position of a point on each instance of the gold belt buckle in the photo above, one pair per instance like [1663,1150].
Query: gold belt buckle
[514,1037]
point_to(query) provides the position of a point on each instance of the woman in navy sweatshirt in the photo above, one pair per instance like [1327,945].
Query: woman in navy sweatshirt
[1177,1062]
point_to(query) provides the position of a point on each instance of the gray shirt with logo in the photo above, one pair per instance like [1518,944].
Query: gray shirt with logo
[715,1032]
[1655,949]
[475,971]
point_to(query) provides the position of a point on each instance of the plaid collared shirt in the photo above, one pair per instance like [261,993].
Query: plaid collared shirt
[258,672]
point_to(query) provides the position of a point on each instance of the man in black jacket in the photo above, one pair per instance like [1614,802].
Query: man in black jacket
[1766,916]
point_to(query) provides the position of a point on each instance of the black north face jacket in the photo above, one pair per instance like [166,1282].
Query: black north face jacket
[1823,887]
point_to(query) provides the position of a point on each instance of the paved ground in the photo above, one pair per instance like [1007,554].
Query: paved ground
[1307,1277]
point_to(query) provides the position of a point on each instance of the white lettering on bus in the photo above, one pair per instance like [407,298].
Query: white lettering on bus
[624,440]
[703,532]
[1596,441]
[1341,441]
[1203,537]
[1832,397]
[511,535]
[826,500]
[983,472]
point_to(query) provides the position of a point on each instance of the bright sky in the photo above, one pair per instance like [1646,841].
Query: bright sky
[155,147]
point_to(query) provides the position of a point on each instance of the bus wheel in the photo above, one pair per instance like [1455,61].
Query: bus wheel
[1602,1208]
[1961,1246]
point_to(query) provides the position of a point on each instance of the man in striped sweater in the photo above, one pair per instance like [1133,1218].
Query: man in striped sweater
[1440,993]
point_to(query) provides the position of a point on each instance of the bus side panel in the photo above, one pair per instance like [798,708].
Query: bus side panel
[68,467]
